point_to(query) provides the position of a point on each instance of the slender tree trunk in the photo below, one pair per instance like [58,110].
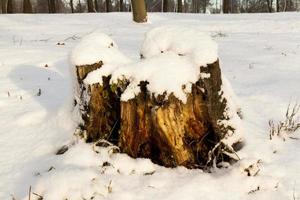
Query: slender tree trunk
[121,6]
[4,6]
[284,7]
[52,6]
[108,5]
[49,6]
[179,6]
[80,7]
[90,5]
[72,6]
[97,6]
[139,11]
[193,6]
[10,6]
[165,6]
[225,6]
[27,7]
[269,4]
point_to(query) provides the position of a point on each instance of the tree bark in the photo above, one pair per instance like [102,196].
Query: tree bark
[269,4]
[165,6]
[108,6]
[97,6]
[90,5]
[52,6]
[101,110]
[172,133]
[27,7]
[139,11]
[4,6]
[179,6]
[226,6]
[80,7]
[72,6]
[10,6]
[121,6]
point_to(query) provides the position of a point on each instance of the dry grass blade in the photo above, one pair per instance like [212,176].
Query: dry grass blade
[290,124]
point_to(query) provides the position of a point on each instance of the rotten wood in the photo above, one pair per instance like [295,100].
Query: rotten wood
[173,133]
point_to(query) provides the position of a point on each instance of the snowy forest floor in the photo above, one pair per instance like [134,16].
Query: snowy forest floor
[259,53]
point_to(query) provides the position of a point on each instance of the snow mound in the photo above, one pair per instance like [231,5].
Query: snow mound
[199,47]
[97,47]
[87,172]
[172,60]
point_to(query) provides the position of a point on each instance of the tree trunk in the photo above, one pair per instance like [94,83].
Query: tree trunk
[72,6]
[97,6]
[139,11]
[108,6]
[269,4]
[121,6]
[27,7]
[90,5]
[225,6]
[172,133]
[194,6]
[179,6]
[165,6]
[4,6]
[52,6]
[80,7]
[10,6]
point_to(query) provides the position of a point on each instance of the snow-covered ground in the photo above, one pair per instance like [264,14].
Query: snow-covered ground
[259,53]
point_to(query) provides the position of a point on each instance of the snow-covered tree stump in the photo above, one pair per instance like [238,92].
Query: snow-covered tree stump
[101,110]
[174,133]
[174,106]
[99,104]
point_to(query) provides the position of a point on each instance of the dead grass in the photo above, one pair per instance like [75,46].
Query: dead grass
[288,126]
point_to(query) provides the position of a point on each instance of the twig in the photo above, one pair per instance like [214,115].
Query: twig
[29,195]
[40,197]
[73,37]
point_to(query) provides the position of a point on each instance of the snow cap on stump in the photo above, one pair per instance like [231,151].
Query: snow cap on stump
[97,47]
[184,41]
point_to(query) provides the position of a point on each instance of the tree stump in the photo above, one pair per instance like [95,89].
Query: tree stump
[99,106]
[183,119]
[173,133]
